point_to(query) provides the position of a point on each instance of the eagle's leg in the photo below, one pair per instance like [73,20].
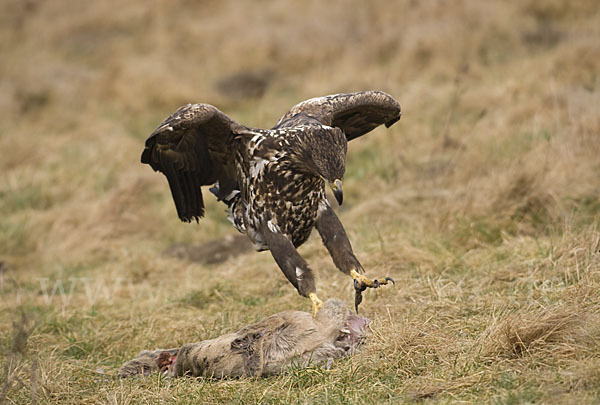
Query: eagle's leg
[294,267]
[336,241]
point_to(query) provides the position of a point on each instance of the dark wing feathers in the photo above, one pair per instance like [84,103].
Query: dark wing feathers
[192,148]
[355,113]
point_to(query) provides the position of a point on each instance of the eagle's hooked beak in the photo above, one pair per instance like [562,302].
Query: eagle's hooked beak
[336,187]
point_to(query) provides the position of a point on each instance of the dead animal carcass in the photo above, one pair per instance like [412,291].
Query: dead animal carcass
[265,348]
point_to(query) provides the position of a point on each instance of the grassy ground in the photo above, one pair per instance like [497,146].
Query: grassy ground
[482,202]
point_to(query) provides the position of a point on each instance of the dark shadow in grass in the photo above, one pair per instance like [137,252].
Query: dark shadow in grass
[213,252]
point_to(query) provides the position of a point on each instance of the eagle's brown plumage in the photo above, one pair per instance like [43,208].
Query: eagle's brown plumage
[272,180]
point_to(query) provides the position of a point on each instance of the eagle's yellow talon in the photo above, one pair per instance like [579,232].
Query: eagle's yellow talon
[361,283]
[367,282]
[362,279]
[316,303]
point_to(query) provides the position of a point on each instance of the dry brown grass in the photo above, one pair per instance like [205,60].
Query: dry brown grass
[482,202]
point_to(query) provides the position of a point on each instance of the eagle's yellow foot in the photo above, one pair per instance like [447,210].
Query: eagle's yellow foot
[316,303]
[367,282]
[361,283]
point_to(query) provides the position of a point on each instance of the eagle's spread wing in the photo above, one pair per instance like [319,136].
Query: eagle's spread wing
[355,113]
[193,148]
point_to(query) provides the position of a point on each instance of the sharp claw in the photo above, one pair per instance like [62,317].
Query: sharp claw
[383,281]
[357,299]
[361,286]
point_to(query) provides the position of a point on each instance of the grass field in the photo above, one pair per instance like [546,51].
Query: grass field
[483,202]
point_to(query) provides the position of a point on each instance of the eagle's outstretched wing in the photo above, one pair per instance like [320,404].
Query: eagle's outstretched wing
[355,113]
[193,148]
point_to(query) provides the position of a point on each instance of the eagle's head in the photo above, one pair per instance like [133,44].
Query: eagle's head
[323,154]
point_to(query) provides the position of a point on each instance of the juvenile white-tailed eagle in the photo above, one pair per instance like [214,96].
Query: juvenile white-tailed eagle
[273,180]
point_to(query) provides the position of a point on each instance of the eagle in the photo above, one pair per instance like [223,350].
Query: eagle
[273,180]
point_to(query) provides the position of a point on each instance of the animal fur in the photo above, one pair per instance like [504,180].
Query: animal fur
[265,348]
